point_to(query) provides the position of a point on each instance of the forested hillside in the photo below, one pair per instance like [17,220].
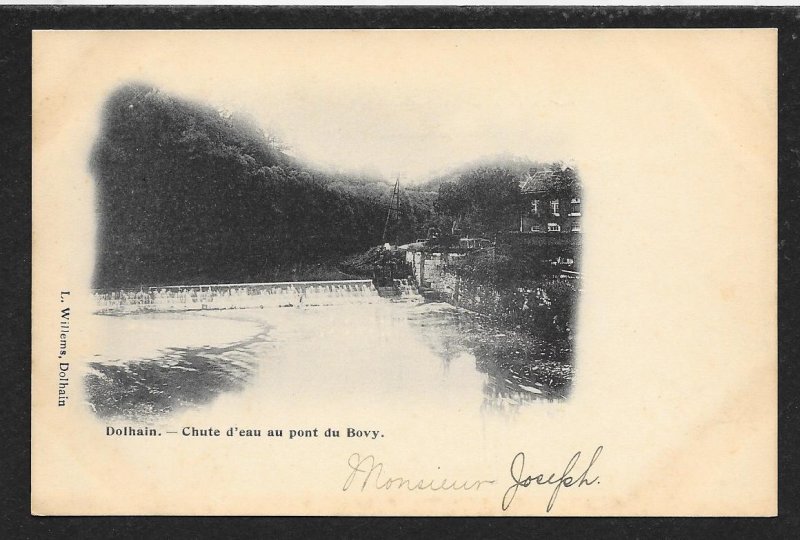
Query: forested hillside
[514,165]
[189,194]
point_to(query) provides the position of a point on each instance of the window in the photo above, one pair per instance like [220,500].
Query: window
[553,227]
[554,206]
[536,228]
[575,207]
[535,206]
[576,227]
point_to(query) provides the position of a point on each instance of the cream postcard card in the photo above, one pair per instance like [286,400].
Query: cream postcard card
[371,272]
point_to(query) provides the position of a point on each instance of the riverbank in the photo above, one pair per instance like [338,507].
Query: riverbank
[519,361]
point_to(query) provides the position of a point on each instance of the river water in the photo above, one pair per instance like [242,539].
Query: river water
[155,366]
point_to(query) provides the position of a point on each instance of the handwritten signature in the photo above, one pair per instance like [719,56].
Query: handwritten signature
[566,480]
[367,472]
[368,468]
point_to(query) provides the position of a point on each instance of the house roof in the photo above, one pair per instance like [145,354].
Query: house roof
[540,180]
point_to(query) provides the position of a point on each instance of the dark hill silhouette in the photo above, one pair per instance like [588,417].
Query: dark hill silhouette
[189,194]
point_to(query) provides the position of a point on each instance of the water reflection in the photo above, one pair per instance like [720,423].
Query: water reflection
[520,367]
[395,353]
[180,378]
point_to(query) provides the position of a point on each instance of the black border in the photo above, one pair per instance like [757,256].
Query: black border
[16,24]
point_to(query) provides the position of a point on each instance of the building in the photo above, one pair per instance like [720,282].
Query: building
[551,202]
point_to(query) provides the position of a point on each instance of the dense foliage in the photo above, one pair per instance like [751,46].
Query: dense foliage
[190,194]
[480,201]
[485,199]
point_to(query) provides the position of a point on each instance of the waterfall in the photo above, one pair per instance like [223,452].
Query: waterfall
[236,296]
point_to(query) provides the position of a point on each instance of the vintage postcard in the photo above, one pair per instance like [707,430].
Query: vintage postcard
[389,272]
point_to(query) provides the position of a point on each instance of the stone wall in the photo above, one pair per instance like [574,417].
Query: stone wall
[541,306]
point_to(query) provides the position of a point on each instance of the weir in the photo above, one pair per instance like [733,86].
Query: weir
[236,296]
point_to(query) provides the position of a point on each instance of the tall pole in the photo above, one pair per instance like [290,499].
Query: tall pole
[394,211]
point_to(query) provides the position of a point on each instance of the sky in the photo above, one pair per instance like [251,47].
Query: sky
[413,103]
[400,103]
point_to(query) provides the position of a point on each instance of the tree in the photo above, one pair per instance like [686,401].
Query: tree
[565,181]
[453,203]
[189,194]
[484,200]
